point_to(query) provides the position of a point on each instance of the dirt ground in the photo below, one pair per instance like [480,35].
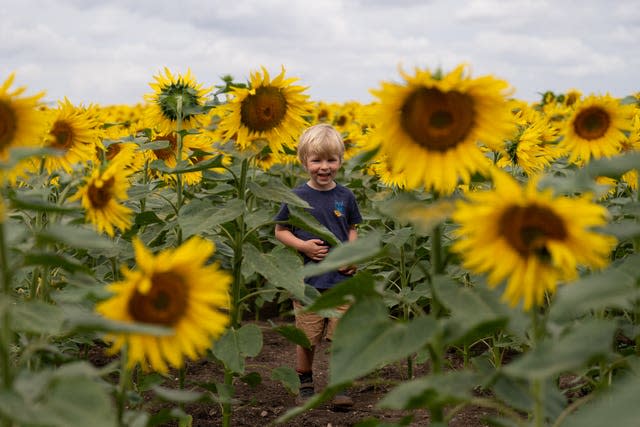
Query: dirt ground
[263,404]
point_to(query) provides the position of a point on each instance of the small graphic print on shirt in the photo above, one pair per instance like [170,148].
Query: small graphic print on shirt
[339,208]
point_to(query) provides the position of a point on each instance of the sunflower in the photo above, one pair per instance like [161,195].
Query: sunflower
[608,186]
[75,133]
[21,124]
[174,289]
[162,112]
[529,237]
[533,148]
[200,148]
[102,194]
[557,107]
[266,159]
[127,153]
[322,112]
[122,121]
[430,126]
[596,128]
[630,145]
[271,110]
[387,175]
[168,156]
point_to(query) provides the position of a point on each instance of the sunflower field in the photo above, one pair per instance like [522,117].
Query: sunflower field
[505,231]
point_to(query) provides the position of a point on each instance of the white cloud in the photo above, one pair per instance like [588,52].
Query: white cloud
[108,51]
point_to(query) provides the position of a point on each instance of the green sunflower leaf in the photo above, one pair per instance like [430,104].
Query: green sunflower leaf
[587,341]
[277,192]
[293,334]
[366,338]
[288,377]
[615,405]
[52,259]
[433,391]
[351,253]
[236,344]
[75,237]
[37,317]
[201,216]
[308,222]
[614,287]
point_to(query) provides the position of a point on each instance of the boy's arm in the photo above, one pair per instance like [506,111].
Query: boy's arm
[353,233]
[313,248]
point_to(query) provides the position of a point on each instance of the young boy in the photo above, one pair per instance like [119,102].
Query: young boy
[321,152]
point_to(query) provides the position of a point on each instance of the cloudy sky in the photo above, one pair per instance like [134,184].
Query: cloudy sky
[107,51]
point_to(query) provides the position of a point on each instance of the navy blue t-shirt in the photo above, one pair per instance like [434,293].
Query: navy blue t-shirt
[337,210]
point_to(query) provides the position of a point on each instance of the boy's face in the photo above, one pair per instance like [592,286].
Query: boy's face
[322,170]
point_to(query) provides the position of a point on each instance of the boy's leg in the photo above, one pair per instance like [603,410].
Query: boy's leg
[312,325]
[304,359]
[333,321]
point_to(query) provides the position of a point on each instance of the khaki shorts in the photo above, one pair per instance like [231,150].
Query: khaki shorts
[316,326]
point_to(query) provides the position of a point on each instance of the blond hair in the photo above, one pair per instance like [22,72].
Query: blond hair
[321,139]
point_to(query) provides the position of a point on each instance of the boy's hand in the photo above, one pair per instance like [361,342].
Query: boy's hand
[348,270]
[315,249]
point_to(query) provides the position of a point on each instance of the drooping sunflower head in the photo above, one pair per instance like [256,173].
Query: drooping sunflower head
[75,134]
[175,289]
[430,126]
[174,96]
[596,128]
[529,238]
[272,110]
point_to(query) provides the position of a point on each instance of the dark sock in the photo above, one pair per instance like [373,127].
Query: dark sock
[305,377]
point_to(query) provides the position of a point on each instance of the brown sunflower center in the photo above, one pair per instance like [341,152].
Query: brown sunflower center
[168,152]
[437,120]
[100,195]
[323,115]
[592,123]
[527,229]
[265,110]
[8,125]
[164,304]
[62,134]
[112,151]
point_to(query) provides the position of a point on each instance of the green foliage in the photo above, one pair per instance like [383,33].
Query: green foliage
[411,301]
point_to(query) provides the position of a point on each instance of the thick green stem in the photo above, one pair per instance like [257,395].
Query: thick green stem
[123,386]
[237,252]
[404,284]
[6,337]
[538,411]
[236,286]
[436,250]
[226,406]
[437,266]
[538,331]
[465,355]
[179,198]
